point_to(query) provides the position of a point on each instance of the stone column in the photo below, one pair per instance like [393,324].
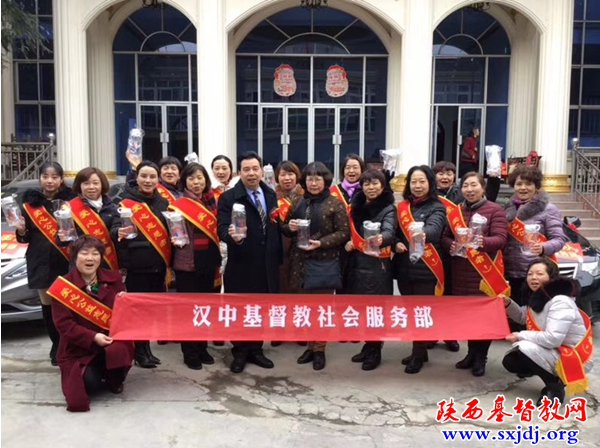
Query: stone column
[101,94]
[553,95]
[8,100]
[70,57]
[415,88]
[213,89]
[522,93]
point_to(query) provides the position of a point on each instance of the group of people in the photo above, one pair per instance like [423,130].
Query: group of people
[268,258]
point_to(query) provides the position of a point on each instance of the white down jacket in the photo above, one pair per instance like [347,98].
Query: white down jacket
[561,324]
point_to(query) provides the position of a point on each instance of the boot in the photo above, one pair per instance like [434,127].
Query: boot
[417,359]
[552,391]
[452,346]
[466,362]
[406,361]
[153,358]
[306,357]
[478,368]
[372,359]
[141,355]
[360,357]
[52,332]
[318,360]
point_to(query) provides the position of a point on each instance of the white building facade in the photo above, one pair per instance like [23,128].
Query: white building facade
[355,76]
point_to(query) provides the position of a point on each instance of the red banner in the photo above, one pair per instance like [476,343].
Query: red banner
[305,317]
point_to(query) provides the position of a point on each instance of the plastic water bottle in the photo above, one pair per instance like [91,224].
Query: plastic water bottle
[65,222]
[476,228]
[177,228]
[238,219]
[417,241]
[269,176]
[530,238]
[11,210]
[303,235]
[127,223]
[371,231]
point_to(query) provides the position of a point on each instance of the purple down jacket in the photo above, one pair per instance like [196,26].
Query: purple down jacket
[540,211]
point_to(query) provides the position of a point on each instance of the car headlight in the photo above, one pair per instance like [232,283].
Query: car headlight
[592,268]
[17,273]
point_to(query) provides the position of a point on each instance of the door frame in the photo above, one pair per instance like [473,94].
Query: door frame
[164,135]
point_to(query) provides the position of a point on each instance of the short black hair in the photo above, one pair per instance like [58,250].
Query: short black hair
[528,173]
[249,155]
[356,157]
[316,169]
[432,193]
[86,242]
[54,165]
[371,175]
[189,170]
[444,166]
[169,160]
[145,163]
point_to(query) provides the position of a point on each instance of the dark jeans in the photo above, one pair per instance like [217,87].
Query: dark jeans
[517,362]
[195,282]
[96,373]
[419,348]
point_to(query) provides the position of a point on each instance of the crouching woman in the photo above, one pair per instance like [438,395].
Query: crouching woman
[89,360]
[557,345]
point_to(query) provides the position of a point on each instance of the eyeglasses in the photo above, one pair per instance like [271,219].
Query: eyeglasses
[315,180]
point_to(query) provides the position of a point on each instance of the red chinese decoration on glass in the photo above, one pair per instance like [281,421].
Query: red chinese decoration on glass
[284,83]
[337,81]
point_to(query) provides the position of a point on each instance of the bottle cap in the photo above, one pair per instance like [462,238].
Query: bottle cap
[125,212]
[239,208]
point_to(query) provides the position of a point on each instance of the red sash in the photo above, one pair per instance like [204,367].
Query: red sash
[91,223]
[516,229]
[337,193]
[431,258]
[569,366]
[447,203]
[165,193]
[80,302]
[196,213]
[284,205]
[46,224]
[152,228]
[491,271]
[360,243]
[217,192]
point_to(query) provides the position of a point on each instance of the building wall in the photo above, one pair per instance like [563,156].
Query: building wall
[539,30]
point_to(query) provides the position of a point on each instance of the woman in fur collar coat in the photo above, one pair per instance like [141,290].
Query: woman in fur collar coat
[553,320]
[366,274]
[531,206]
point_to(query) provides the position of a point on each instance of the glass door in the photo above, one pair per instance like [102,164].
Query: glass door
[325,136]
[151,121]
[349,131]
[285,135]
[166,130]
[469,156]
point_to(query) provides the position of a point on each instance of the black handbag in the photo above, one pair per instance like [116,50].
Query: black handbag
[322,274]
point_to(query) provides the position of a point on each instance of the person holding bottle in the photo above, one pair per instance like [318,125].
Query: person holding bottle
[146,257]
[38,228]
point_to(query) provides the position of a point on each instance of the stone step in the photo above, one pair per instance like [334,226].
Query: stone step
[595,241]
[589,232]
[587,214]
[559,197]
[590,222]
[568,205]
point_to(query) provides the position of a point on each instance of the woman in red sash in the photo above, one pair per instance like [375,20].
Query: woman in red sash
[168,184]
[467,279]
[529,205]
[288,191]
[421,204]
[88,358]
[38,228]
[223,179]
[557,345]
[146,257]
[197,264]
[92,202]
[368,274]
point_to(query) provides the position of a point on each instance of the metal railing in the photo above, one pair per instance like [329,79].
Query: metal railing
[585,178]
[22,160]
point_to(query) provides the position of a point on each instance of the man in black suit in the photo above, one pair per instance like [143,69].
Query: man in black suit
[253,261]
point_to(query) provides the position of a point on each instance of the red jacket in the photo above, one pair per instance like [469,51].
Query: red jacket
[470,148]
[465,279]
[77,348]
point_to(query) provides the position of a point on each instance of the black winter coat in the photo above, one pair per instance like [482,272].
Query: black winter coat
[452,194]
[366,274]
[433,214]
[253,264]
[138,255]
[44,261]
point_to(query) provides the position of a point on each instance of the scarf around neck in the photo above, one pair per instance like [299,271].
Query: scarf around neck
[350,187]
